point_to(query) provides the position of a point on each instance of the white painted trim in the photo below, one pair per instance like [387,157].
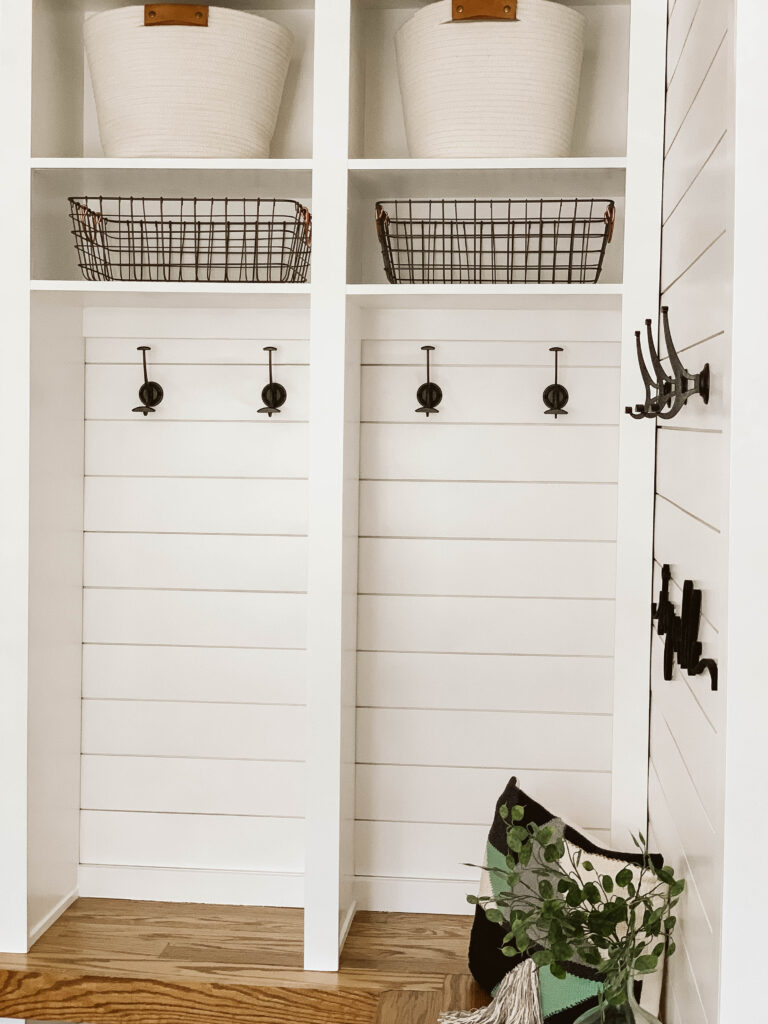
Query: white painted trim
[52,917]
[634,570]
[743,679]
[189,885]
[414,895]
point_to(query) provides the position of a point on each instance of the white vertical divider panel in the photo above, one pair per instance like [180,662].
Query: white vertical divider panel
[746,759]
[332,593]
[634,573]
[15,78]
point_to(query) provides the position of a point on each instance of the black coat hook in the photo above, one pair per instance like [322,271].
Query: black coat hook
[150,392]
[681,632]
[274,395]
[556,396]
[666,394]
[429,395]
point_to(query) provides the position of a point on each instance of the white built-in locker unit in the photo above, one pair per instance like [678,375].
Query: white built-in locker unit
[292,661]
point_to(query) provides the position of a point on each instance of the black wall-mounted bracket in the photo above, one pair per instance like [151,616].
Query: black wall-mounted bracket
[429,395]
[681,632]
[555,395]
[150,392]
[274,395]
[666,394]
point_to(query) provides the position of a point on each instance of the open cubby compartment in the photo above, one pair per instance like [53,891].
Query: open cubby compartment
[376,113]
[53,248]
[168,574]
[369,185]
[64,121]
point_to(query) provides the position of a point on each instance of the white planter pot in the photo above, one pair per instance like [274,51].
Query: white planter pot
[187,91]
[491,88]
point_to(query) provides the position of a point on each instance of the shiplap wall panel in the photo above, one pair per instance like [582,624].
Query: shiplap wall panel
[486,625]
[139,448]
[438,451]
[194,675]
[498,510]
[484,682]
[419,793]
[197,618]
[234,843]
[205,391]
[687,718]
[180,729]
[486,588]
[179,785]
[190,505]
[483,738]
[472,394]
[490,568]
[189,562]
[229,675]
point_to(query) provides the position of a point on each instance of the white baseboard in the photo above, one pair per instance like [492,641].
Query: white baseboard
[346,923]
[53,915]
[413,895]
[191,885]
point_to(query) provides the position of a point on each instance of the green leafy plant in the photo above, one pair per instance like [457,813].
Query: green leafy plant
[557,908]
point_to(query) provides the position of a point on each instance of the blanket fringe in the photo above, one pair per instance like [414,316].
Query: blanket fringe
[516,1001]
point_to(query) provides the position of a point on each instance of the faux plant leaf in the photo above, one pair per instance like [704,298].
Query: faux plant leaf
[517,813]
[646,964]
[503,812]
[558,971]
[624,878]
[494,915]
[607,883]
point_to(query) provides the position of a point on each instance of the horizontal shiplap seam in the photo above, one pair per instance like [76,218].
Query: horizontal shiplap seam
[478,423]
[456,824]
[202,533]
[686,512]
[196,590]
[195,814]
[187,476]
[689,430]
[502,483]
[193,757]
[576,770]
[186,701]
[696,94]
[168,419]
[482,654]
[484,711]
[693,344]
[704,251]
[693,180]
[203,647]
[485,540]
[451,597]
[690,774]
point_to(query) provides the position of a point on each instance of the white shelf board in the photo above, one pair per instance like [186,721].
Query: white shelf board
[181,293]
[487,296]
[494,164]
[163,164]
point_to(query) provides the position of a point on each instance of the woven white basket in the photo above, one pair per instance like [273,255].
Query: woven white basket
[491,88]
[187,91]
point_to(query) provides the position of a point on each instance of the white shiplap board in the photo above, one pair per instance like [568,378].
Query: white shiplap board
[486,590]
[687,721]
[194,670]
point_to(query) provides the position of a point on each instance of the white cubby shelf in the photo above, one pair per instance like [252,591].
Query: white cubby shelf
[273,753]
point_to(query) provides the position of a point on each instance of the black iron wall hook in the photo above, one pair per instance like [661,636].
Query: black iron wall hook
[429,395]
[681,632]
[556,396]
[666,394]
[150,392]
[274,395]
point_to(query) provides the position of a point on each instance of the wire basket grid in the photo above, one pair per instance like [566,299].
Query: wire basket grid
[494,241]
[216,240]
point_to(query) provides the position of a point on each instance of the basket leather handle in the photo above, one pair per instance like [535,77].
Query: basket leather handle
[503,10]
[176,14]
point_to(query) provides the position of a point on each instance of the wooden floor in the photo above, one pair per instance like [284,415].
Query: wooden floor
[166,963]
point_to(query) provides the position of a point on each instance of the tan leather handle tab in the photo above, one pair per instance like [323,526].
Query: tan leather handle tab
[465,10]
[176,14]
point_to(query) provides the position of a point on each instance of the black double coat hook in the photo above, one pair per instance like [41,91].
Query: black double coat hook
[150,392]
[429,395]
[666,394]
[274,395]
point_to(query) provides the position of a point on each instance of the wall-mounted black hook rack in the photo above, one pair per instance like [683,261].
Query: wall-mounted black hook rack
[666,394]
[150,392]
[429,395]
[555,395]
[274,395]
[681,632]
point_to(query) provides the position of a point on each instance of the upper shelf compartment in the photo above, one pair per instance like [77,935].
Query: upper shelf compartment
[376,112]
[64,123]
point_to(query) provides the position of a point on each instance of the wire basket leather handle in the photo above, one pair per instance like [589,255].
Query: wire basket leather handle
[176,14]
[504,10]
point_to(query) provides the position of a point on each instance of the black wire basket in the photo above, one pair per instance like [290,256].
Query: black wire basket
[235,240]
[494,241]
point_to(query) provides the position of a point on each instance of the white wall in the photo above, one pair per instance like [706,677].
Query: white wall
[487,582]
[687,728]
[194,609]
